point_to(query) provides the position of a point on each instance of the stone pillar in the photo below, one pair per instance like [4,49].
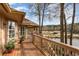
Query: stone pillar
[16,31]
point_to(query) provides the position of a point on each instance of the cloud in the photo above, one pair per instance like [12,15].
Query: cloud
[21,8]
[18,6]
[69,21]
[11,3]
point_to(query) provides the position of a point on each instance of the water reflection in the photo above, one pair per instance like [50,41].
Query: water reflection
[75,42]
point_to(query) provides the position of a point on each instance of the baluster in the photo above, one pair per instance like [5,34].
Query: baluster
[58,50]
[73,53]
[55,49]
[78,54]
[52,49]
[61,51]
[43,44]
[65,52]
[48,47]
[70,53]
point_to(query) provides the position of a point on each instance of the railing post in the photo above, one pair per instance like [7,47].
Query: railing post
[41,41]
[33,38]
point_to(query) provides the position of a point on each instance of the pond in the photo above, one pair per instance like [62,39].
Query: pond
[75,41]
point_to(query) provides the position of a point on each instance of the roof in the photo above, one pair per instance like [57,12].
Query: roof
[17,15]
[16,11]
[29,23]
[10,13]
[4,9]
[5,6]
[14,15]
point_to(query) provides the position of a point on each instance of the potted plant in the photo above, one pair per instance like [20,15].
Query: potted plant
[9,46]
[21,39]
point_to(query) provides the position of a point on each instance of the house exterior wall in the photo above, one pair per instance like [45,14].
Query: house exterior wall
[3,30]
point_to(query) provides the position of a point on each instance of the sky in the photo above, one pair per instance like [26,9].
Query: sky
[25,8]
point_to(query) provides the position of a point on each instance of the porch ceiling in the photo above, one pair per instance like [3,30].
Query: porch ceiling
[16,15]
[11,14]
[5,7]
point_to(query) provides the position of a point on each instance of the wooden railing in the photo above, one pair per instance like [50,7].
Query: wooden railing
[53,48]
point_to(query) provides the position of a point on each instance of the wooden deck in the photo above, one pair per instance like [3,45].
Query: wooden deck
[28,49]
[25,49]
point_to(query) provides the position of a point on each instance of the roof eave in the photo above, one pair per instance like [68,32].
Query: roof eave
[6,7]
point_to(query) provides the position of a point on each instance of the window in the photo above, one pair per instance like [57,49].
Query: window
[22,31]
[11,30]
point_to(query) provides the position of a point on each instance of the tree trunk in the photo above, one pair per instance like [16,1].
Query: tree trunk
[39,25]
[73,18]
[43,18]
[39,19]
[61,22]
[42,23]
[65,29]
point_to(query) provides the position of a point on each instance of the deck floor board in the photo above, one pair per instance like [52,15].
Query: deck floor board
[30,50]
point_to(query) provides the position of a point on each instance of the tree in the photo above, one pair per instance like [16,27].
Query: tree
[39,17]
[65,29]
[66,12]
[61,22]
[73,18]
[43,14]
[38,9]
